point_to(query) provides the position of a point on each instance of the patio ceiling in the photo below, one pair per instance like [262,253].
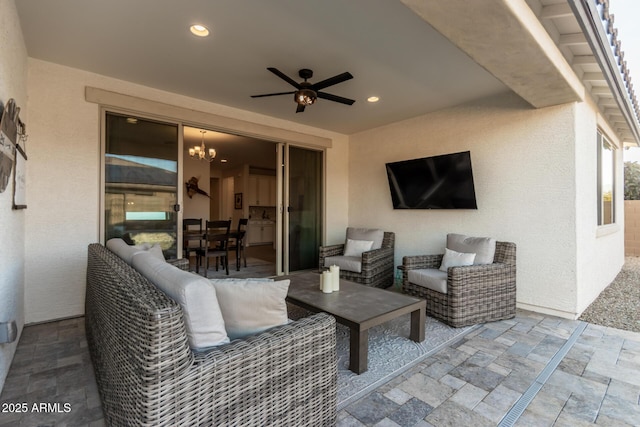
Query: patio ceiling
[417,56]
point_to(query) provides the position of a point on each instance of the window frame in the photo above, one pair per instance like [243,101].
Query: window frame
[605,143]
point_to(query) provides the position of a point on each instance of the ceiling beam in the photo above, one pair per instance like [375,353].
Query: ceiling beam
[602,91]
[508,40]
[595,77]
[584,60]
[556,11]
[572,39]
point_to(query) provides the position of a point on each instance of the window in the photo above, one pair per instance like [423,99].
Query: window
[606,180]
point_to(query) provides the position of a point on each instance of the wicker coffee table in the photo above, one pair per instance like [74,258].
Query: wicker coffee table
[359,307]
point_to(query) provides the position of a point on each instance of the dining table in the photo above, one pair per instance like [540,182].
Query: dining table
[192,235]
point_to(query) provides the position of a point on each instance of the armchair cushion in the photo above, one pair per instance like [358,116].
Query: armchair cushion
[373,234]
[251,306]
[483,247]
[456,259]
[202,315]
[356,247]
[347,263]
[429,278]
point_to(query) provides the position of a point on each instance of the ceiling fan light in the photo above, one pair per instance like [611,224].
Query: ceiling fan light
[305,97]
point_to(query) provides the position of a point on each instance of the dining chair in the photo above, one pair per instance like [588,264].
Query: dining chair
[237,242]
[216,245]
[191,237]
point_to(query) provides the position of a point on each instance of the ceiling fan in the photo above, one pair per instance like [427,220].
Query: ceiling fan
[307,93]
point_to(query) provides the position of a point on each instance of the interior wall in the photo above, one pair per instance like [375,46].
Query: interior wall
[13,84]
[197,206]
[524,173]
[64,178]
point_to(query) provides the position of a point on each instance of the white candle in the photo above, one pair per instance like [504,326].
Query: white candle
[335,277]
[327,285]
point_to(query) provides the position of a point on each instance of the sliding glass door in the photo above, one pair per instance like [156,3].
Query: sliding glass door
[141,191]
[141,178]
[303,195]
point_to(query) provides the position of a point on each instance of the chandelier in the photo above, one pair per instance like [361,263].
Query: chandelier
[200,151]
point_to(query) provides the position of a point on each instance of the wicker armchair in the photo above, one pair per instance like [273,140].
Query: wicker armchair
[377,264]
[475,294]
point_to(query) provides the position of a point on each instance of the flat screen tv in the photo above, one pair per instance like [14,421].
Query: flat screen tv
[438,182]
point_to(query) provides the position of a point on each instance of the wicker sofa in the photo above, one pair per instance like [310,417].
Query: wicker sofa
[148,375]
[475,293]
[376,264]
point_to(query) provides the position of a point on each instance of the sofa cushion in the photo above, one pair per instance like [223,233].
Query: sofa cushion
[373,234]
[126,252]
[430,278]
[356,247]
[347,263]
[483,247]
[456,259]
[251,306]
[202,315]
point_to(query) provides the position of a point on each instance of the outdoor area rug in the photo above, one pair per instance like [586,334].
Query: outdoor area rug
[391,352]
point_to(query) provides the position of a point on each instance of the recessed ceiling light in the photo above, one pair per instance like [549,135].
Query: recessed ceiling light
[373,99]
[199,30]
[223,160]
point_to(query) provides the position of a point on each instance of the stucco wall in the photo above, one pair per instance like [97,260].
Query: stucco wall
[63,186]
[600,250]
[13,84]
[524,173]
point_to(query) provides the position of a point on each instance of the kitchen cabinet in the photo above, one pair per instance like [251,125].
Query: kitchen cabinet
[260,232]
[262,190]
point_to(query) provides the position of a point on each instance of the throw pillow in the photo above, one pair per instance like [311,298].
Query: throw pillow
[356,247]
[126,252]
[374,234]
[456,259]
[156,251]
[251,306]
[483,247]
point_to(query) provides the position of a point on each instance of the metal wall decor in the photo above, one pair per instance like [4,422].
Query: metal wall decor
[13,149]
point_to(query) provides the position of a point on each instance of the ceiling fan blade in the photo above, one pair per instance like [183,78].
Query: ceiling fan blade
[273,94]
[331,81]
[300,108]
[284,77]
[335,98]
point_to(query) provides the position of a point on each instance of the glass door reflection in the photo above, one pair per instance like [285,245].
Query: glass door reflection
[141,177]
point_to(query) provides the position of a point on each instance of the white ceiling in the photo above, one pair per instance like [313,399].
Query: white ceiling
[391,52]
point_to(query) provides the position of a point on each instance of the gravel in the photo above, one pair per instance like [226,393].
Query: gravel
[618,306]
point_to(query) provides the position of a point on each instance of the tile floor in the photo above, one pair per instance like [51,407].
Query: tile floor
[533,370]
